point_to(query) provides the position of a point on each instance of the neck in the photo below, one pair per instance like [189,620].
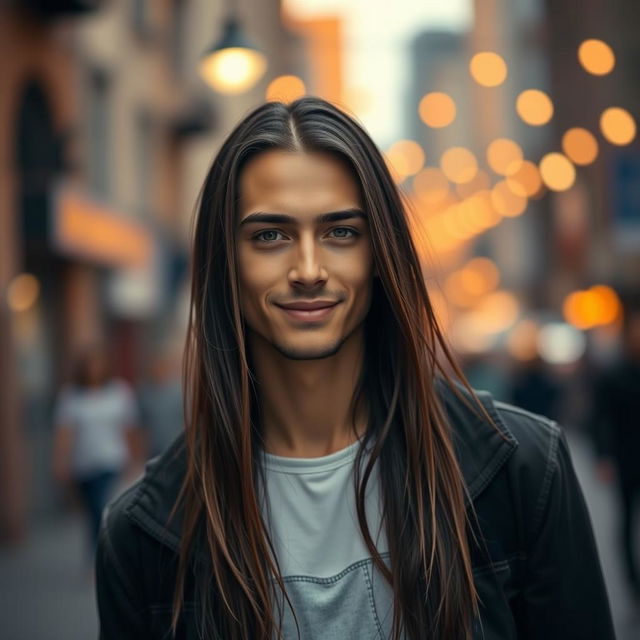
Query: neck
[306,404]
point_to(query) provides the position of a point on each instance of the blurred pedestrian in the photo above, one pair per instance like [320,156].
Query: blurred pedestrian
[533,388]
[615,425]
[95,442]
[160,397]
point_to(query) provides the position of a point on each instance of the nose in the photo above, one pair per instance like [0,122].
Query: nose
[307,270]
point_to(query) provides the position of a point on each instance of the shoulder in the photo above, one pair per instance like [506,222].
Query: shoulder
[539,440]
[541,463]
[538,436]
[146,516]
[119,537]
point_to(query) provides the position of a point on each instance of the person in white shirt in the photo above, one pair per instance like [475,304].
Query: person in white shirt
[95,418]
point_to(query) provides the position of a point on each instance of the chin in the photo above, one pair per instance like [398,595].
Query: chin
[308,352]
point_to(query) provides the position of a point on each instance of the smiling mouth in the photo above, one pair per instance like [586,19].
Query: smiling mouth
[309,311]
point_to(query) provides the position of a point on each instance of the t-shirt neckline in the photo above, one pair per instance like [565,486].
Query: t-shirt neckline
[286,464]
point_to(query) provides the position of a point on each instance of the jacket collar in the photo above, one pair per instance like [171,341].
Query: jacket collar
[480,448]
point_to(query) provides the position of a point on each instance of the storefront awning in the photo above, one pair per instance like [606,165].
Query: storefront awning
[85,229]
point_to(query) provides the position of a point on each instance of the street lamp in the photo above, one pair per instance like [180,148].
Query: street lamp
[233,64]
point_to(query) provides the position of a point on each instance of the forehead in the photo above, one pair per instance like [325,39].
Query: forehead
[295,181]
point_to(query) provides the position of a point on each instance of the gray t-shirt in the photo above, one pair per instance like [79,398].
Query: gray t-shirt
[330,578]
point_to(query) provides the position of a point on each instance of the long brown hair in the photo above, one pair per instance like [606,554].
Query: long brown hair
[422,486]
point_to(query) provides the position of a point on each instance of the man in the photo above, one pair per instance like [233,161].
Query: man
[333,481]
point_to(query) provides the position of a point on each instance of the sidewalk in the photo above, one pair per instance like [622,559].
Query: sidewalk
[46,590]
[602,504]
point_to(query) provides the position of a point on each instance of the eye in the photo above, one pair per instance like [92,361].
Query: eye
[269,235]
[344,232]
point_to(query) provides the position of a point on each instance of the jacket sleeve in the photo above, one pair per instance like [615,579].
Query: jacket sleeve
[564,592]
[121,608]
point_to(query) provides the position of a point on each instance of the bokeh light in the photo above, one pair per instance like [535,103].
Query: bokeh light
[504,156]
[534,107]
[526,181]
[497,311]
[406,156]
[464,287]
[617,126]
[560,343]
[557,171]
[522,341]
[483,209]
[596,57]
[462,224]
[456,290]
[431,186]
[437,109]
[459,165]
[468,335]
[505,201]
[480,182]
[233,70]
[487,272]
[610,305]
[599,305]
[285,89]
[488,69]
[22,293]
[580,146]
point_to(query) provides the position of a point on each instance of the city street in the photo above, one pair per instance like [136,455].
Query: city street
[454,189]
[47,592]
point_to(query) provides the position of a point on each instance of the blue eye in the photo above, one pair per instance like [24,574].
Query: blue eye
[350,232]
[270,235]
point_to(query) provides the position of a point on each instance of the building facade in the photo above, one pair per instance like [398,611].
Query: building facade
[106,134]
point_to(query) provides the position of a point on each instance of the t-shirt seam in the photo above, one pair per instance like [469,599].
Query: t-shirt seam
[343,456]
[336,577]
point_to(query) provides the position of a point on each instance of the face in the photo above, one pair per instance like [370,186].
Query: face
[304,250]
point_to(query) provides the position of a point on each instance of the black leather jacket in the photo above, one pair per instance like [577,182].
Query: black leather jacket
[539,575]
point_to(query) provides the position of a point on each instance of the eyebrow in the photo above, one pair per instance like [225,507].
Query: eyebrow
[324,218]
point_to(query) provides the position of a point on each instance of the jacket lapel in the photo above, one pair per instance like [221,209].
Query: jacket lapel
[481,447]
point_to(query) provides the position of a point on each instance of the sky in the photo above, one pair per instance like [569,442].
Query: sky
[377,34]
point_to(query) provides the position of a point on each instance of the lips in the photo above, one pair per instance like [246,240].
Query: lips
[309,311]
[309,306]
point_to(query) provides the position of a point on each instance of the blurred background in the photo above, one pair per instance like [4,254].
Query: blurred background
[510,126]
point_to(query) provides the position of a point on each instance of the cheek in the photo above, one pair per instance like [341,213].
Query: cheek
[356,269]
[257,276]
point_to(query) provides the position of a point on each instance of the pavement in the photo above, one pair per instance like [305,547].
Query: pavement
[47,592]
[602,503]
[46,584]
